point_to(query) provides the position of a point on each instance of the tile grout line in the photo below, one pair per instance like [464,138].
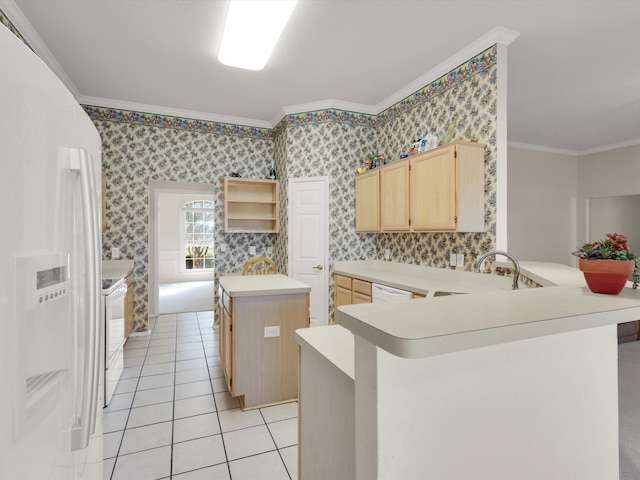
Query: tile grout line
[173,406]
[224,446]
[274,442]
[124,430]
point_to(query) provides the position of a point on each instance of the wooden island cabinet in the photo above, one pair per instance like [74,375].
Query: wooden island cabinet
[258,315]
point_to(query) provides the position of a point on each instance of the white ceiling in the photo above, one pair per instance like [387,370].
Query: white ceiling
[573,73]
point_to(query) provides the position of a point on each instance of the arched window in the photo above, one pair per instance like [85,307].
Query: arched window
[197,235]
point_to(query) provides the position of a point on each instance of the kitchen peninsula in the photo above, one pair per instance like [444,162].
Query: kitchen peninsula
[258,317]
[496,384]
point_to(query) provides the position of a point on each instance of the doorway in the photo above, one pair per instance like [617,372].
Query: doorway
[157,190]
[309,241]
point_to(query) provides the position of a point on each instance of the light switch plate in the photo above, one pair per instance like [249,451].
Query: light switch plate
[252,250]
[272,331]
[223,247]
[115,252]
[460,260]
[387,253]
[452,259]
[269,251]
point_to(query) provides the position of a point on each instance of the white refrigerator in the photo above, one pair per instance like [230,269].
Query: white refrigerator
[50,268]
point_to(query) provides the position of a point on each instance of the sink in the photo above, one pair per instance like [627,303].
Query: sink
[444,294]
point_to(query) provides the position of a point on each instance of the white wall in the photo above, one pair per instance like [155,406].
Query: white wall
[605,174]
[619,214]
[169,238]
[541,211]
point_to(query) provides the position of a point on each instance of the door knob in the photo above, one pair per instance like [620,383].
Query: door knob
[317,267]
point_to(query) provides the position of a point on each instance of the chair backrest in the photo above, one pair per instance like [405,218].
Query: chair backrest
[259,266]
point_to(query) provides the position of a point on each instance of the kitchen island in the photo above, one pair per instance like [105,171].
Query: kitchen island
[258,316]
[491,385]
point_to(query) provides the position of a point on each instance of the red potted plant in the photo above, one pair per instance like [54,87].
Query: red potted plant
[607,264]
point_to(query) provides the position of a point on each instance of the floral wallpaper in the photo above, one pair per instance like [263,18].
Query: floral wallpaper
[466,97]
[139,147]
[334,143]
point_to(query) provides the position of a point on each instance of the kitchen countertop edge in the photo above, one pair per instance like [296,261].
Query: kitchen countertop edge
[255,285]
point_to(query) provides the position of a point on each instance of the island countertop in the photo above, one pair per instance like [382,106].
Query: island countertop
[254,285]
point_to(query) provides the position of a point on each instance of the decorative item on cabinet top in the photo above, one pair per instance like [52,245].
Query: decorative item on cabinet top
[250,205]
[441,190]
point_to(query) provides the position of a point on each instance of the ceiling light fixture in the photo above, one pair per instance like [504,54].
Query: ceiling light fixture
[252,30]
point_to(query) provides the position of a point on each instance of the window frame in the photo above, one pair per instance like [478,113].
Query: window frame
[184,244]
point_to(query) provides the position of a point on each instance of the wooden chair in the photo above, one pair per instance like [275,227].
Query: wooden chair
[259,266]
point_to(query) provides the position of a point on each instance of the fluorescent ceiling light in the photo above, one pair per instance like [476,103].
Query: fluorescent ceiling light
[252,30]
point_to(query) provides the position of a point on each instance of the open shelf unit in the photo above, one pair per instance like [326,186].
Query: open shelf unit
[250,205]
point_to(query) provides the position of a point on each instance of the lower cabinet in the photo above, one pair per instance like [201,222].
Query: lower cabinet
[257,348]
[343,290]
[350,291]
[129,301]
[360,291]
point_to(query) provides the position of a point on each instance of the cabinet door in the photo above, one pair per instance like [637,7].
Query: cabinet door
[343,296]
[433,191]
[226,330]
[394,198]
[361,286]
[368,202]
[129,303]
[343,290]
[360,298]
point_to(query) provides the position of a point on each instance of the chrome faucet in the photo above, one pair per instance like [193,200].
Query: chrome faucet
[509,256]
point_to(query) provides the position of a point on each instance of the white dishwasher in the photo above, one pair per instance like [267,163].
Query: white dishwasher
[383,293]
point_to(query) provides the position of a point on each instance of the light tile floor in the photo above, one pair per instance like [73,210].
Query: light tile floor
[171,416]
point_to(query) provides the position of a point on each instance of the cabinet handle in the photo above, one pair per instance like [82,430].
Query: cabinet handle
[317,267]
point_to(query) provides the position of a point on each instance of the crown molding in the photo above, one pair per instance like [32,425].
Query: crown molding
[27,31]
[573,153]
[498,35]
[323,105]
[611,146]
[542,148]
[172,112]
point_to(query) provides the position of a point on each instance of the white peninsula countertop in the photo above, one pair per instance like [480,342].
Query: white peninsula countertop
[254,285]
[420,279]
[499,377]
[491,313]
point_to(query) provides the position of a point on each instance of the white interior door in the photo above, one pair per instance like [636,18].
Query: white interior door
[309,241]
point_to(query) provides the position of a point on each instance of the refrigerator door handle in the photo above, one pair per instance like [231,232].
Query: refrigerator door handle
[80,161]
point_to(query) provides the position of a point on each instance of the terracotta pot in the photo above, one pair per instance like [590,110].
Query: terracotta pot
[606,276]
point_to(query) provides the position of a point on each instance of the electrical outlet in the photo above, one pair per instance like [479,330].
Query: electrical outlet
[387,254]
[460,260]
[272,331]
[269,251]
[115,252]
[252,250]
[452,259]
[223,247]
